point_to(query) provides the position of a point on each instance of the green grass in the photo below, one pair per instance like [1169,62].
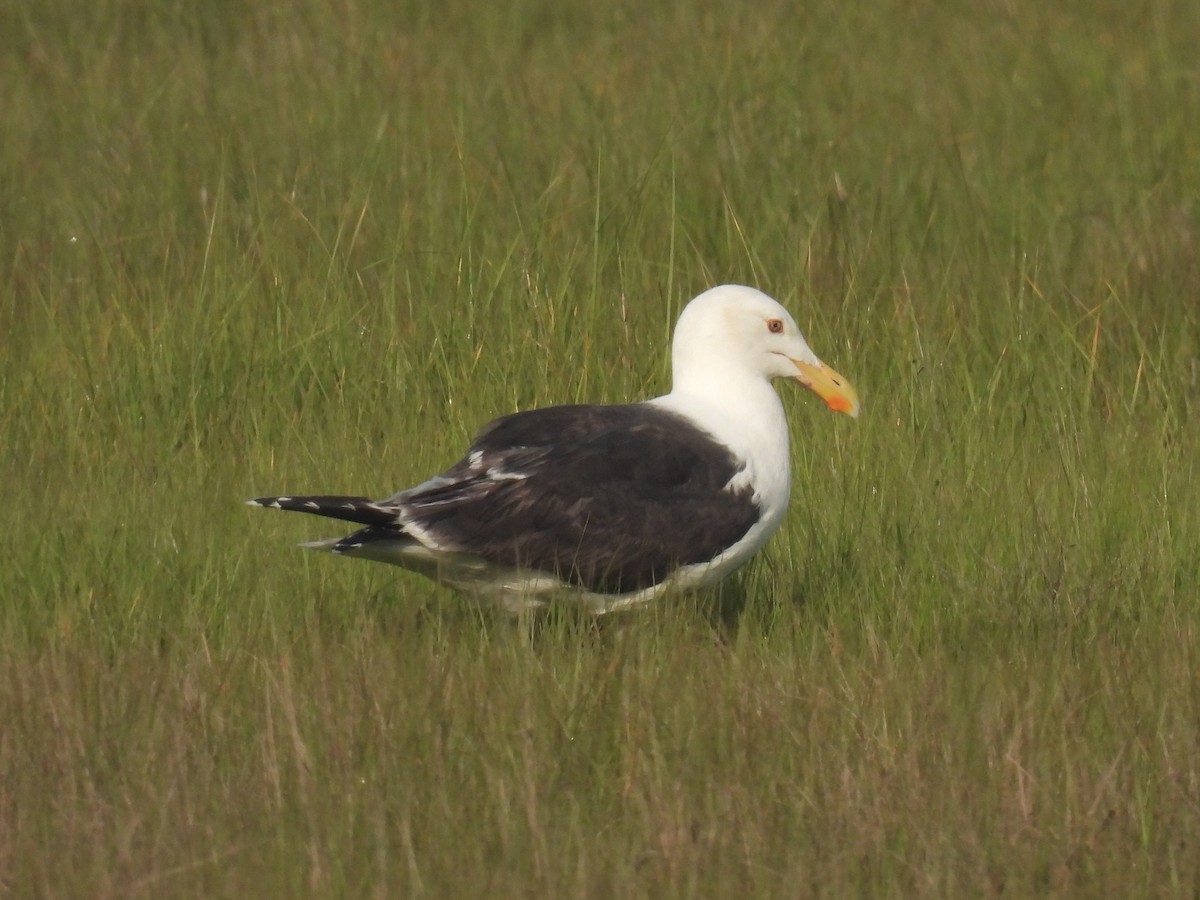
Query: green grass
[248,248]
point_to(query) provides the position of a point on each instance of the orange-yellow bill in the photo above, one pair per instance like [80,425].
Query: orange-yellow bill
[829,386]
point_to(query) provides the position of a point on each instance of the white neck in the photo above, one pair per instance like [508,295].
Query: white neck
[744,412]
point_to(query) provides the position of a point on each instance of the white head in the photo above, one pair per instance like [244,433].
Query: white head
[736,332]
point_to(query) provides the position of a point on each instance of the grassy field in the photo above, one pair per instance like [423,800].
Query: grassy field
[250,248]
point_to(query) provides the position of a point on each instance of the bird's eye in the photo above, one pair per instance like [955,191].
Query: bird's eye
[775,326]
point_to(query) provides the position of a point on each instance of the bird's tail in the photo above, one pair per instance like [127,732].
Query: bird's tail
[349,509]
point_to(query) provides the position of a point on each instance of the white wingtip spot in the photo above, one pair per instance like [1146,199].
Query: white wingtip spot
[312,505]
[499,475]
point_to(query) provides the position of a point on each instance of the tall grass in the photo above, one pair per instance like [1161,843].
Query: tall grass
[254,247]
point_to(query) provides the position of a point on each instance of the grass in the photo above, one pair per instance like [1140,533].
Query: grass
[249,248]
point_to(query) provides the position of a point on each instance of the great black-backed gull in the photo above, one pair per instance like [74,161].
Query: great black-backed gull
[610,506]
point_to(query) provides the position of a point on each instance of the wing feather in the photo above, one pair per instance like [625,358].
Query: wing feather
[609,498]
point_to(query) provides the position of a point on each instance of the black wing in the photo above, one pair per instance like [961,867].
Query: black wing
[610,498]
